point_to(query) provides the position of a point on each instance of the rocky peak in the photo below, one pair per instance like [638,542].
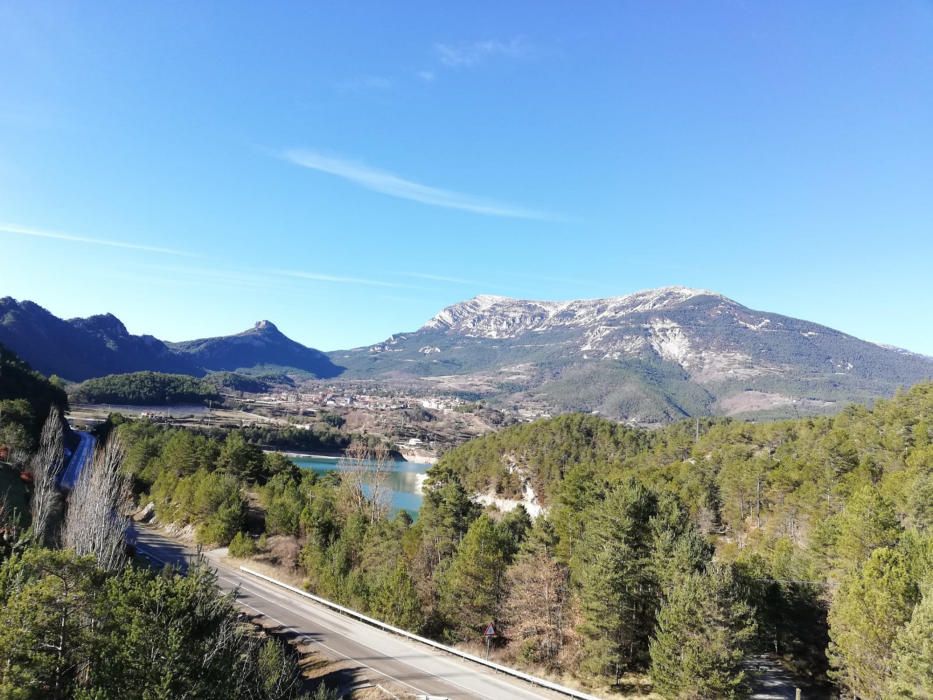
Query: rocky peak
[106,325]
[503,317]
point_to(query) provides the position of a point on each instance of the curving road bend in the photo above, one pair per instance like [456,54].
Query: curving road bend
[422,670]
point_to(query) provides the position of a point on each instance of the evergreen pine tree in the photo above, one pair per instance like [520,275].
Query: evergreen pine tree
[702,632]
[678,548]
[396,601]
[869,610]
[612,567]
[471,589]
[446,512]
[912,675]
[867,522]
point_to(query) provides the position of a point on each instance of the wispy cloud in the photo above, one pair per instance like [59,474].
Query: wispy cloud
[427,76]
[438,278]
[466,54]
[16,230]
[245,279]
[339,279]
[396,186]
[252,278]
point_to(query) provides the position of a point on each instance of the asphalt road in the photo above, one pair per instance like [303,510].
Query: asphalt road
[82,454]
[420,669]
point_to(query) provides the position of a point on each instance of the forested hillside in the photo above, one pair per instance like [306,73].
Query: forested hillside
[80,348]
[672,555]
[25,400]
[262,346]
[71,629]
[146,389]
[824,522]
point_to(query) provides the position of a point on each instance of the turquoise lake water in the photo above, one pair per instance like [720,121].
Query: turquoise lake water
[403,480]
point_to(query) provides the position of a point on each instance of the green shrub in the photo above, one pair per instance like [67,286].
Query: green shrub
[220,527]
[242,546]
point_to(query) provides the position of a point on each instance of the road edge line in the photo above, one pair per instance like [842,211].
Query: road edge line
[534,680]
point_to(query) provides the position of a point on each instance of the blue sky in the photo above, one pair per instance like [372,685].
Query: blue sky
[347,169]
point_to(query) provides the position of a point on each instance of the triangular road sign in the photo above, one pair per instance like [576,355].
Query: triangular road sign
[490,631]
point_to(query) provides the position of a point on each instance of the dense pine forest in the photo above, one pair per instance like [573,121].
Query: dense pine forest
[677,553]
[146,389]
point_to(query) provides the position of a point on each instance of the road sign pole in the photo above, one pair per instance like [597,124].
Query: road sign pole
[489,633]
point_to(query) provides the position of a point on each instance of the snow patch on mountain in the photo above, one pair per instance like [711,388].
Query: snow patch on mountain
[704,365]
[594,337]
[497,317]
[754,326]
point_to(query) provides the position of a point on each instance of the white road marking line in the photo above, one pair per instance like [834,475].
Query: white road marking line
[329,648]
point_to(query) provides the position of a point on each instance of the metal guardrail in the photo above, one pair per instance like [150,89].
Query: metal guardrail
[534,680]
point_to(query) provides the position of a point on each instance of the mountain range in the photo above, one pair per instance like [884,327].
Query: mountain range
[647,357]
[81,348]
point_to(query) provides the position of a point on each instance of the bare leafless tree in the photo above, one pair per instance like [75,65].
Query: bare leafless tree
[380,494]
[366,469]
[46,465]
[353,474]
[95,523]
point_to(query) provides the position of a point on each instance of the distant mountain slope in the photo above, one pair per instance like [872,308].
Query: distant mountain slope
[84,348]
[262,345]
[649,357]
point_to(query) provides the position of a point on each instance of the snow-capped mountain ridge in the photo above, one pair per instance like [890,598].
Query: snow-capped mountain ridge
[489,316]
[650,356]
